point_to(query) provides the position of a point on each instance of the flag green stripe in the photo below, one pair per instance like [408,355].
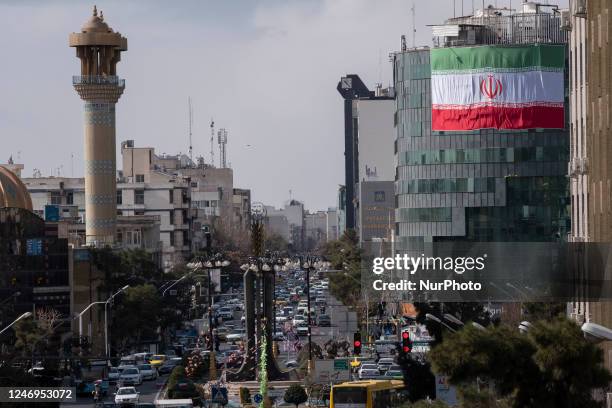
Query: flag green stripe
[548,57]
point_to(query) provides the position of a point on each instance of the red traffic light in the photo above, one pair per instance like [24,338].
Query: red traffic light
[405,335]
[357,343]
[406,349]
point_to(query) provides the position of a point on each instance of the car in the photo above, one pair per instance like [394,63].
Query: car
[368,371]
[167,367]
[298,319]
[384,364]
[226,313]
[302,329]
[113,374]
[131,376]
[126,394]
[157,360]
[320,301]
[222,333]
[171,353]
[236,335]
[324,320]
[394,374]
[148,372]
[278,336]
[291,364]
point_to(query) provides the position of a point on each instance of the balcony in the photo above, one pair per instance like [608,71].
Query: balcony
[98,80]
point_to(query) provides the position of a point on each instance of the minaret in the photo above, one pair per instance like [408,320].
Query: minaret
[99,49]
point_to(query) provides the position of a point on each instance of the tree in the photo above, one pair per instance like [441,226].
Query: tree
[295,394]
[418,378]
[345,255]
[536,369]
[275,243]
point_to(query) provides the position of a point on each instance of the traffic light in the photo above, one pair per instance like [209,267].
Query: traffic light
[357,344]
[406,343]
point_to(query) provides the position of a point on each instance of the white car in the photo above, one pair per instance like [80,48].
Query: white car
[368,372]
[148,372]
[302,329]
[126,394]
[113,374]
[384,364]
[131,376]
[236,335]
[298,319]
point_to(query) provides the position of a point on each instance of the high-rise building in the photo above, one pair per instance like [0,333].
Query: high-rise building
[485,184]
[369,156]
[368,125]
[590,169]
[99,49]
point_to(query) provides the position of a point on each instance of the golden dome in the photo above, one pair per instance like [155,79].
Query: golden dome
[13,192]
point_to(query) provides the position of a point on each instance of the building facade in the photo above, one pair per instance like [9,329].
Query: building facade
[482,185]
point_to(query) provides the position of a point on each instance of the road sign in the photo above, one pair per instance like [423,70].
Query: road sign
[257,398]
[219,395]
[340,364]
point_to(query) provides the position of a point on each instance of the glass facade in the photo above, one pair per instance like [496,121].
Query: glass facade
[481,185]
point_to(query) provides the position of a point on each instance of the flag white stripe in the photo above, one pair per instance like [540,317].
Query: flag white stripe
[513,88]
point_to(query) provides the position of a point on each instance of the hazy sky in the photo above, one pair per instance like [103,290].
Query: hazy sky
[265,70]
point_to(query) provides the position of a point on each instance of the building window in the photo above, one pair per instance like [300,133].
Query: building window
[185,237]
[171,238]
[138,196]
[379,196]
[140,178]
[56,198]
[185,197]
[119,236]
[194,184]
[171,196]
[171,217]
[139,212]
[119,197]
[70,198]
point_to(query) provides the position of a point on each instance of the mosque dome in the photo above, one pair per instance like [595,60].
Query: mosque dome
[13,192]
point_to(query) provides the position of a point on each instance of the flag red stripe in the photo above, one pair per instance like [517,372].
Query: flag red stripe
[487,117]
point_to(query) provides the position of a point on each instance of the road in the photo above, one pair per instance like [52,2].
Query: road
[148,390]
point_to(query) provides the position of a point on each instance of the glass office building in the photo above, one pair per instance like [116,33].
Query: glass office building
[482,185]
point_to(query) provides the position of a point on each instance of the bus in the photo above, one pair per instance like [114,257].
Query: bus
[367,394]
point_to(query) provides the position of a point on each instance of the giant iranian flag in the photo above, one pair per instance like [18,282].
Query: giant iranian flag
[500,87]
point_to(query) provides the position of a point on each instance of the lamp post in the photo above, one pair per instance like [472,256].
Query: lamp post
[309,264]
[108,304]
[105,303]
[209,263]
[23,316]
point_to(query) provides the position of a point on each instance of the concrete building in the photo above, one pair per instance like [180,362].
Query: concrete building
[163,203]
[331,221]
[482,185]
[99,49]
[590,169]
[370,156]
[368,137]
[288,222]
[315,229]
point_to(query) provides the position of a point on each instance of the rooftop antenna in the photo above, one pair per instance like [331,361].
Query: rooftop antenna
[212,142]
[190,134]
[412,9]
[222,139]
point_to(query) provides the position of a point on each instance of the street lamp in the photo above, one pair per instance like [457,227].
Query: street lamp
[23,316]
[175,282]
[436,319]
[210,263]
[105,303]
[106,328]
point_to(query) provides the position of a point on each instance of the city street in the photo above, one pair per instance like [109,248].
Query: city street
[148,392]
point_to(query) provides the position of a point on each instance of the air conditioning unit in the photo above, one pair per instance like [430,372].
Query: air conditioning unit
[581,9]
[566,22]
